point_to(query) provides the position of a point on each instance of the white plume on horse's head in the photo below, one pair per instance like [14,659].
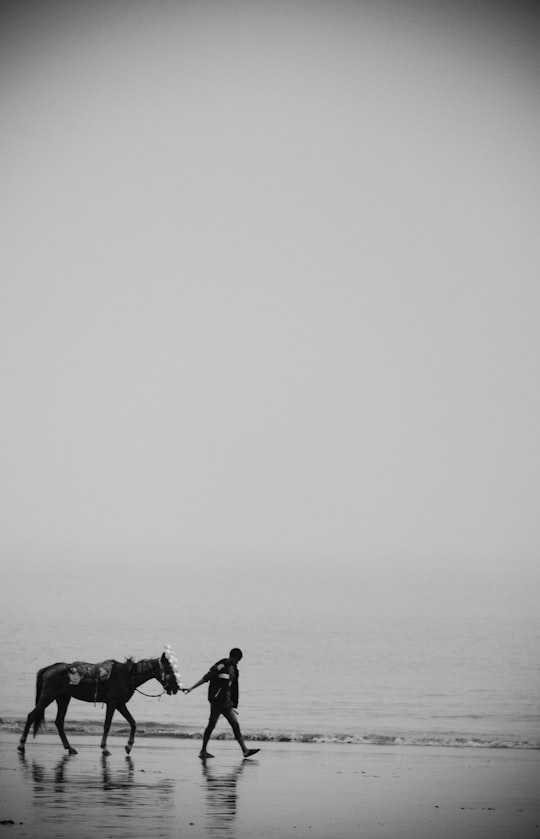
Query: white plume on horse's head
[173,663]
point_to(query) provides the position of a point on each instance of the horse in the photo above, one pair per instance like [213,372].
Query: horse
[110,682]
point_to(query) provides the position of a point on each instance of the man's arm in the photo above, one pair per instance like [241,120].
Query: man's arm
[235,693]
[197,684]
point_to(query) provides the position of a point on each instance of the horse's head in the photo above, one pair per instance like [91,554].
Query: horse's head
[169,675]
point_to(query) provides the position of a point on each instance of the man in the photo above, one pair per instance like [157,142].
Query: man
[223,698]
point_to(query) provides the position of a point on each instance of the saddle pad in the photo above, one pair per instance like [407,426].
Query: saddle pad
[81,671]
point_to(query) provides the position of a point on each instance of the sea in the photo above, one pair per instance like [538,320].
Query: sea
[344,652]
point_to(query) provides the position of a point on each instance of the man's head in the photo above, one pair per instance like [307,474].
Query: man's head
[235,654]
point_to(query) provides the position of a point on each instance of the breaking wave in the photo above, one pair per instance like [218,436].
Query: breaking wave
[150,729]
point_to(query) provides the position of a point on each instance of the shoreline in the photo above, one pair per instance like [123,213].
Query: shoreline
[316,790]
[160,730]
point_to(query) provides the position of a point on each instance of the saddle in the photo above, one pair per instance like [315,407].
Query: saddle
[81,671]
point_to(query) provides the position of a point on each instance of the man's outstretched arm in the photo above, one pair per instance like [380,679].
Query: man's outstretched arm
[197,684]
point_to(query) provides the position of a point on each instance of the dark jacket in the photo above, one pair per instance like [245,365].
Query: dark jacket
[223,683]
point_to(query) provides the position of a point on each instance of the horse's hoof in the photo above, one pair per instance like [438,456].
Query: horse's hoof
[128,749]
[20,748]
[105,753]
[72,751]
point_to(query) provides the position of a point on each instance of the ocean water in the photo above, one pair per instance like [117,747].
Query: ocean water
[331,652]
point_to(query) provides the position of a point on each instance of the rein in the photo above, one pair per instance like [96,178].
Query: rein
[152,695]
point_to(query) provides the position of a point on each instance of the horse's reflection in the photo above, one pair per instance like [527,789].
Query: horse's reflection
[114,780]
[222,796]
[111,797]
[59,778]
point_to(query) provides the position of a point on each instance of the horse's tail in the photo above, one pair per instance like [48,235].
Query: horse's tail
[39,713]
[39,719]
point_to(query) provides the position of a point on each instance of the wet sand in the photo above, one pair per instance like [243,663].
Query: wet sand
[287,790]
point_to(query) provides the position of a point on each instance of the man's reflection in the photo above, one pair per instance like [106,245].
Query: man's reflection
[221,796]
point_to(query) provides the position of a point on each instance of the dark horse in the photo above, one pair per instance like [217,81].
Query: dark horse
[111,683]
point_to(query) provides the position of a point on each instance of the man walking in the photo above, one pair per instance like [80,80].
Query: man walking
[223,698]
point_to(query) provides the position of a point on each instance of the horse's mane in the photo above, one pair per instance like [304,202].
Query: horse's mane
[130,663]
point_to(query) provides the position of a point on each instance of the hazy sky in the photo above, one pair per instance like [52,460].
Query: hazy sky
[270,281]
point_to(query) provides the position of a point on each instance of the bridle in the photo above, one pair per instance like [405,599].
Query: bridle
[158,677]
[165,675]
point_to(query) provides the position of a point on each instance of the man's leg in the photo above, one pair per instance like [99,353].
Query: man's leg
[214,716]
[232,719]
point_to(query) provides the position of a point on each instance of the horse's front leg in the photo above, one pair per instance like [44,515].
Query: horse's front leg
[111,707]
[63,702]
[132,724]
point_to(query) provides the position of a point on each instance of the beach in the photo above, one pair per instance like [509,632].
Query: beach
[289,789]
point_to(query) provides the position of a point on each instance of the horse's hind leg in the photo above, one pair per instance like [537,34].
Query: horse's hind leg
[111,707]
[63,702]
[132,724]
[35,718]
[29,720]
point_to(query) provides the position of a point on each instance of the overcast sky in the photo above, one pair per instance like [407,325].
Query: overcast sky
[270,281]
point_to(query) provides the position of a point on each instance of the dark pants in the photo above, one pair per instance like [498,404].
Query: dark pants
[228,712]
